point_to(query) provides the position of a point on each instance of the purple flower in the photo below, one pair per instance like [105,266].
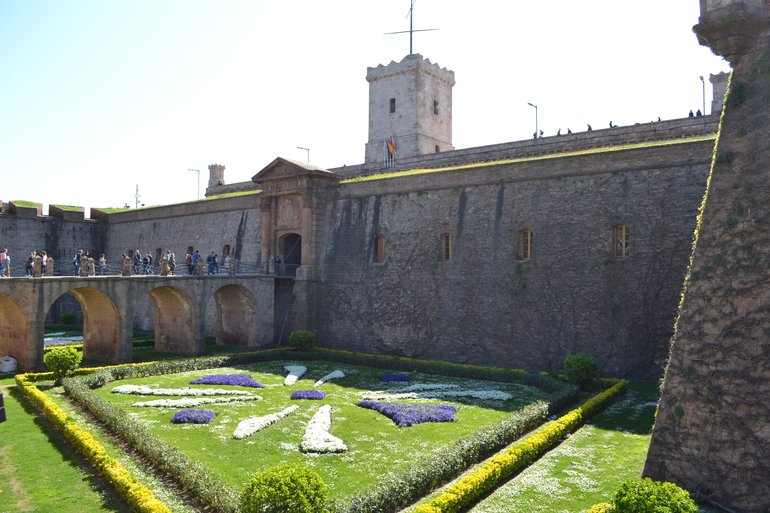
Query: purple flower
[394,377]
[193,416]
[405,415]
[308,394]
[241,380]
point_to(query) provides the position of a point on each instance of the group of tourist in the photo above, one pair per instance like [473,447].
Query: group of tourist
[86,265]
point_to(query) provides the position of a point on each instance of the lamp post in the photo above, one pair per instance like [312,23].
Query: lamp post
[703,84]
[199,180]
[536,127]
[308,152]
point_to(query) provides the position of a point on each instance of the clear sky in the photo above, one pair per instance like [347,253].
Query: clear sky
[99,96]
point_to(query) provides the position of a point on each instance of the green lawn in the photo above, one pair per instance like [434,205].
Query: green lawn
[376,445]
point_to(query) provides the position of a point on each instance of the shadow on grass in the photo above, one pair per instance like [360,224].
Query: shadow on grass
[110,501]
[633,412]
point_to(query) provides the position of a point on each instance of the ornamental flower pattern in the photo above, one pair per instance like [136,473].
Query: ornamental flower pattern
[317,438]
[394,378]
[332,375]
[241,380]
[190,402]
[405,415]
[249,426]
[193,416]
[295,372]
[435,391]
[145,390]
[308,394]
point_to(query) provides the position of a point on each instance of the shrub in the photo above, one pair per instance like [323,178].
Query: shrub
[68,318]
[602,507]
[292,487]
[304,340]
[648,496]
[62,361]
[581,369]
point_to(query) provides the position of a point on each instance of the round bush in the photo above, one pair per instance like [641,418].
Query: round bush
[648,496]
[68,318]
[61,361]
[581,369]
[602,507]
[292,487]
[304,340]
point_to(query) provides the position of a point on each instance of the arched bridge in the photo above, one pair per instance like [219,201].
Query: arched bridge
[244,313]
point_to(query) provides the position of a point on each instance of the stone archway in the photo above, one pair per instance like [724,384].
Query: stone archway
[236,311]
[290,250]
[175,322]
[14,332]
[101,324]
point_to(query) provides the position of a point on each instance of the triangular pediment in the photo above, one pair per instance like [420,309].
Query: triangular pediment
[282,168]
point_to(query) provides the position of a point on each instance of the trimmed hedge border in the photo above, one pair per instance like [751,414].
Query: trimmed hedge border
[393,493]
[139,498]
[501,466]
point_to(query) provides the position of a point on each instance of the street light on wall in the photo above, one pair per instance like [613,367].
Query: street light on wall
[199,180]
[536,126]
[308,152]
[703,84]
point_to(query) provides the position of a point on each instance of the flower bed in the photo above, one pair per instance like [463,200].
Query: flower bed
[308,394]
[189,403]
[241,380]
[391,378]
[332,375]
[405,415]
[295,372]
[317,438]
[145,390]
[249,426]
[193,416]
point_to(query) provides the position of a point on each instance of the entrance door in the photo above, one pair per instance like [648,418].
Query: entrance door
[291,247]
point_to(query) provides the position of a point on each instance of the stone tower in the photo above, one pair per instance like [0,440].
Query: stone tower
[216,175]
[410,101]
[712,428]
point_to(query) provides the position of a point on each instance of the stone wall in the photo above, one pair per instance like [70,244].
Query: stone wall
[485,306]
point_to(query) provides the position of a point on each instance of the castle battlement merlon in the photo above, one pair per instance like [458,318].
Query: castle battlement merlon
[407,65]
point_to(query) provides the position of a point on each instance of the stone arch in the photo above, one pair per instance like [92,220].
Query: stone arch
[101,324]
[14,333]
[175,321]
[236,314]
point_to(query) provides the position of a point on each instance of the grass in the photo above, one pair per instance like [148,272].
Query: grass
[376,444]
[38,472]
[70,208]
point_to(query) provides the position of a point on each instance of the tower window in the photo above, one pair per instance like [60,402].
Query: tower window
[438,149]
[392,105]
[435,107]
[525,244]
[620,242]
[379,249]
[446,246]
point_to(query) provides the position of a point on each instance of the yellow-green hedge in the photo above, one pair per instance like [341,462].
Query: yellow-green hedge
[501,466]
[139,498]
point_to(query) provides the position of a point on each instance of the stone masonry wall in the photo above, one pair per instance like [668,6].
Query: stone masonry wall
[484,305]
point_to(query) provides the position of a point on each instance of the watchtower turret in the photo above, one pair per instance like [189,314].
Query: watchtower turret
[731,27]
[216,175]
[410,104]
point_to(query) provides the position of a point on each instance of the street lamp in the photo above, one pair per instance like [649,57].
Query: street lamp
[536,127]
[308,152]
[199,180]
[703,83]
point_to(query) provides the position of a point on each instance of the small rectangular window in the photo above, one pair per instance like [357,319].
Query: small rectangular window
[525,244]
[438,148]
[446,246]
[435,107]
[392,105]
[620,242]
[379,249]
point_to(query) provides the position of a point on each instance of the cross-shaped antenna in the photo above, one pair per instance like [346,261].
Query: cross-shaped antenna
[411,29]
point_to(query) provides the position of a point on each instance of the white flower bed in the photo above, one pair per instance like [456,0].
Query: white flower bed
[295,372]
[332,375]
[484,395]
[317,437]
[418,387]
[189,402]
[145,390]
[249,426]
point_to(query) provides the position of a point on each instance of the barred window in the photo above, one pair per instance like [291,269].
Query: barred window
[392,105]
[379,249]
[446,246]
[525,244]
[620,243]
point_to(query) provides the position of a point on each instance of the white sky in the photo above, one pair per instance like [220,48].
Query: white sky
[97,97]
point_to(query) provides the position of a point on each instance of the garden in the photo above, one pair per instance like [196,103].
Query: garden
[378,433]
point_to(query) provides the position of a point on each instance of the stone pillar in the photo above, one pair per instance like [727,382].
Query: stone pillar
[266,244]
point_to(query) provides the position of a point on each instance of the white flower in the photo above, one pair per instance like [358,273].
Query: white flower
[295,372]
[249,426]
[437,393]
[188,402]
[332,375]
[317,437]
[145,390]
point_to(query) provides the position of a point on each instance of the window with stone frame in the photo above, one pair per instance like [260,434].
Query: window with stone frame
[435,107]
[379,249]
[525,244]
[621,240]
[446,246]
[392,105]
